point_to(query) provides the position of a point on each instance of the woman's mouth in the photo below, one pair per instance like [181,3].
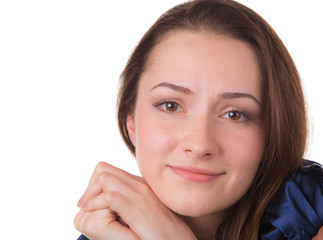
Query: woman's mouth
[195,174]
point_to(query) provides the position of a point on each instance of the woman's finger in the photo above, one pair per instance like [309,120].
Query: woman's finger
[109,178]
[103,201]
[94,224]
[105,167]
[101,225]
[121,205]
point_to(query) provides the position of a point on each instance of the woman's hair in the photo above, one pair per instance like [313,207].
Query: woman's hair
[283,101]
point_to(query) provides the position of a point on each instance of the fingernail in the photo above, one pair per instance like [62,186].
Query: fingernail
[79,203]
[84,205]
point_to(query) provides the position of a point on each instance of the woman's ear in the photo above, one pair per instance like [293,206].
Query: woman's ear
[131,128]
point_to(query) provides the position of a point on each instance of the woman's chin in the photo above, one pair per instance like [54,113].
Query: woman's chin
[193,210]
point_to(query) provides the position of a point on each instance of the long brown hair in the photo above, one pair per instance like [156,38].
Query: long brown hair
[284,107]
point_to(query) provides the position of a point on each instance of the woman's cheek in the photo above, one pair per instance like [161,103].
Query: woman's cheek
[155,136]
[243,149]
[155,149]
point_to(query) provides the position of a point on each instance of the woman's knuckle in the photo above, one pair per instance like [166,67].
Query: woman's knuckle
[92,227]
[109,195]
[101,166]
[77,221]
[104,177]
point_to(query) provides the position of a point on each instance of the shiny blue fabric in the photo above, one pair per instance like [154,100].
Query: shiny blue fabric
[82,237]
[296,212]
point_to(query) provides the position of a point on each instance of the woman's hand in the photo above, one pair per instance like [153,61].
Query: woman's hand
[319,236]
[117,202]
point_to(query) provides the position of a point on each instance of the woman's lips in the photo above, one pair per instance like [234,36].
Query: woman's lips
[195,174]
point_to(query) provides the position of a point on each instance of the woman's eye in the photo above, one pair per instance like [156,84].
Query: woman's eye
[172,107]
[235,115]
[169,106]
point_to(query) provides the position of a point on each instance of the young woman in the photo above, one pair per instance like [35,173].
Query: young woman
[211,105]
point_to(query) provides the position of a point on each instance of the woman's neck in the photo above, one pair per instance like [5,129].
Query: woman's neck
[204,227]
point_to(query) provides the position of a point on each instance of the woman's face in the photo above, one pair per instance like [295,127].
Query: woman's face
[197,125]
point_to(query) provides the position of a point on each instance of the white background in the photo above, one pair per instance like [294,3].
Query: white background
[60,63]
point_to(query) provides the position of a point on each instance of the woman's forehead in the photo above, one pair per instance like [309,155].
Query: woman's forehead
[194,58]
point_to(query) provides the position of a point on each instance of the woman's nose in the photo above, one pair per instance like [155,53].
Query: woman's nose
[199,139]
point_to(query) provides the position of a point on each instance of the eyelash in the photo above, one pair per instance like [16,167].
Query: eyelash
[159,105]
[246,116]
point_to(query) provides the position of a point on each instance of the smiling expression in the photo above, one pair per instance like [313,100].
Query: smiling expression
[197,124]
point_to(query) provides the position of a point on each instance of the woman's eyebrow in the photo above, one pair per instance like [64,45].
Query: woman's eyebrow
[224,95]
[174,87]
[230,95]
